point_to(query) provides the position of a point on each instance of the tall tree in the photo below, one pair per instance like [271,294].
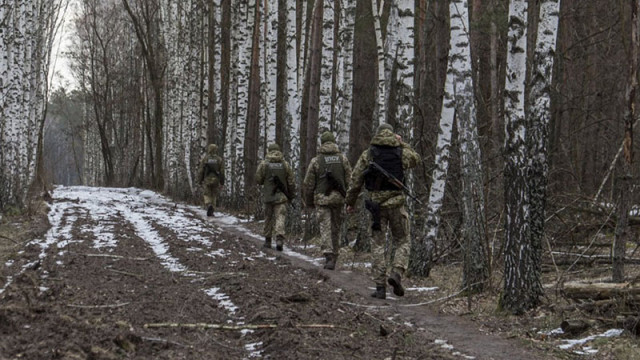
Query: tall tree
[522,286]
[625,186]
[475,268]
[145,17]
[539,120]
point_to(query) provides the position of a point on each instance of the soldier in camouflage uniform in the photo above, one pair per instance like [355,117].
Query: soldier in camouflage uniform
[325,186]
[278,188]
[211,175]
[396,157]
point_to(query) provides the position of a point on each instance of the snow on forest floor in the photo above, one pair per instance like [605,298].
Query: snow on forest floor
[100,224]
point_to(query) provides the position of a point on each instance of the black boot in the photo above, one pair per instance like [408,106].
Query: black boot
[395,281]
[279,242]
[380,293]
[210,210]
[267,242]
[330,263]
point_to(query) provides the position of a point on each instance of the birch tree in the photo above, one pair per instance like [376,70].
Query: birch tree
[345,73]
[380,111]
[325,112]
[24,63]
[540,117]
[522,286]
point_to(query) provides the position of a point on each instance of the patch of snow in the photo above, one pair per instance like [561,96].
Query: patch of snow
[422,289]
[552,332]
[568,344]
[222,299]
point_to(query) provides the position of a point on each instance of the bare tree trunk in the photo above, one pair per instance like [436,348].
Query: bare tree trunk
[522,288]
[622,233]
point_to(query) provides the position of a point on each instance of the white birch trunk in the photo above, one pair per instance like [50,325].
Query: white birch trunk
[455,79]
[521,288]
[343,117]
[271,67]
[540,115]
[24,60]
[325,111]
[293,103]
[476,269]
[380,111]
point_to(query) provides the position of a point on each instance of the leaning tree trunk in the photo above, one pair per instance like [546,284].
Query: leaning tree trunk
[522,286]
[540,116]
[625,186]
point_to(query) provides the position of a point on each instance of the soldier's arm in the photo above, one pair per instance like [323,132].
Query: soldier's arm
[357,178]
[291,179]
[221,170]
[347,170]
[309,182]
[410,158]
[260,174]
[201,170]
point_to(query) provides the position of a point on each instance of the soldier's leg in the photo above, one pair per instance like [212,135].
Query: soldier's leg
[336,225]
[378,261]
[208,199]
[280,214]
[324,223]
[399,224]
[268,224]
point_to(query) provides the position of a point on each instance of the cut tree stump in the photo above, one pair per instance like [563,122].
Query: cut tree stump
[575,326]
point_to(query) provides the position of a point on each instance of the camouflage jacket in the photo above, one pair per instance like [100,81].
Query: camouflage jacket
[263,172]
[311,179]
[388,198]
[203,162]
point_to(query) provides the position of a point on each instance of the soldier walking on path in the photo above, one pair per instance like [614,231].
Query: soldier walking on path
[211,175]
[278,188]
[386,203]
[325,187]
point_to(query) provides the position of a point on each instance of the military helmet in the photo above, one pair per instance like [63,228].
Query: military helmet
[274,147]
[212,148]
[327,136]
[384,126]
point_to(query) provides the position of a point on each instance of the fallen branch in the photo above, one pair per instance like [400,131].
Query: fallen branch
[236,327]
[114,256]
[126,273]
[436,300]
[600,291]
[8,238]
[98,306]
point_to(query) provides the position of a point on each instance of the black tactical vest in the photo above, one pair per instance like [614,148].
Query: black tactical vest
[390,159]
[212,167]
[329,164]
[269,191]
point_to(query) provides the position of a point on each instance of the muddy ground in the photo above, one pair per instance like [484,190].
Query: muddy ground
[126,274]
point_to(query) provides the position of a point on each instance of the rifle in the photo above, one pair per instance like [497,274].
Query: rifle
[280,186]
[374,209]
[334,185]
[394,180]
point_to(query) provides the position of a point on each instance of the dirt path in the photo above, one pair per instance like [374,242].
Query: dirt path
[125,273]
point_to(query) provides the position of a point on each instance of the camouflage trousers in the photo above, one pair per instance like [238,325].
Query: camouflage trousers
[330,221]
[397,220]
[210,189]
[274,222]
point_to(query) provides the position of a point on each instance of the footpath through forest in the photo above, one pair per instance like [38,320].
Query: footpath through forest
[126,273]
